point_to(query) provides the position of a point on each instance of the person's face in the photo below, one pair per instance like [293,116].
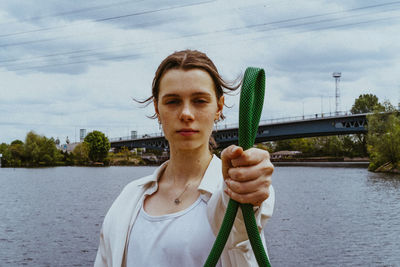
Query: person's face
[187,107]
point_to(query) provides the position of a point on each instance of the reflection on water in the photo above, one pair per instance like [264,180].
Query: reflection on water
[384,181]
[324,216]
[52,216]
[334,217]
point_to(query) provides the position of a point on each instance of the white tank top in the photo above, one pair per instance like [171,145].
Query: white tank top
[184,238]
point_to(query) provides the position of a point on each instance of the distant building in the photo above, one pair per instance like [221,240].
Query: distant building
[284,154]
[67,147]
[82,134]
[133,134]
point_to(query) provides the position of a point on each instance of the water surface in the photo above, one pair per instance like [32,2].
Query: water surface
[323,216]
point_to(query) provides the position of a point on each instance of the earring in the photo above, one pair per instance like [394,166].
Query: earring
[159,125]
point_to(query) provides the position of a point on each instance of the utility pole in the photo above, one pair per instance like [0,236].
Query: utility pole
[322,108]
[337,76]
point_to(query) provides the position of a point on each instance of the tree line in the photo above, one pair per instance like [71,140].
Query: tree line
[383,139]
[352,145]
[38,150]
[381,144]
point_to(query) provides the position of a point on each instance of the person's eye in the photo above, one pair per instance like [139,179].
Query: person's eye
[172,101]
[200,101]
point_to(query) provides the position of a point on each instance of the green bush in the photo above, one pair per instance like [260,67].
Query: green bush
[98,146]
[384,137]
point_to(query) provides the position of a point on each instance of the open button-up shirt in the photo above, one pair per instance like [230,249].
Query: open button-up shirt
[114,235]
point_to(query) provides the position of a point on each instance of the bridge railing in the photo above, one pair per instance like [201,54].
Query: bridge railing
[126,138]
[222,126]
[291,118]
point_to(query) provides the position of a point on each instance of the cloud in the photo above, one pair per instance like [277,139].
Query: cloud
[62,68]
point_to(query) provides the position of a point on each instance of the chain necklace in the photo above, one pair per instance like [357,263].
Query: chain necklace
[177,200]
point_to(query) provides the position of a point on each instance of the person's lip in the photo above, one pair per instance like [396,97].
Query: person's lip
[187,131]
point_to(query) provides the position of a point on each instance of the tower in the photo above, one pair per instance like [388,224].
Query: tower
[337,76]
[82,134]
[133,134]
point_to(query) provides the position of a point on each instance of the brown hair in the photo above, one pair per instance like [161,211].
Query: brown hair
[186,60]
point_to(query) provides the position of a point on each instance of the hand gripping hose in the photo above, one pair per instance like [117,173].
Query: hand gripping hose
[251,103]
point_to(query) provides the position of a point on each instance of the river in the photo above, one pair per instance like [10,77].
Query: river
[324,216]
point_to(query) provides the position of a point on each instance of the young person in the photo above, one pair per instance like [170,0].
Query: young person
[171,218]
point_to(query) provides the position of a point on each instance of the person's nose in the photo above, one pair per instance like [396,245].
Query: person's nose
[186,113]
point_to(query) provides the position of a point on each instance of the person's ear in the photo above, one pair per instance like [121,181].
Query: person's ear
[156,109]
[220,105]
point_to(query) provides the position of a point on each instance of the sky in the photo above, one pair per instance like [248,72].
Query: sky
[71,65]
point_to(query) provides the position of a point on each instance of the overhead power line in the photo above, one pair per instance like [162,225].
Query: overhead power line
[326,14]
[331,20]
[108,18]
[77,52]
[127,56]
[181,6]
[328,27]
[169,8]
[208,32]
[74,11]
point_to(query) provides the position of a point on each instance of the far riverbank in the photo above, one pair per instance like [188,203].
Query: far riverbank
[323,162]
[344,164]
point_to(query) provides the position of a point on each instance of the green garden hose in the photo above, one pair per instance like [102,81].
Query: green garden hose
[251,103]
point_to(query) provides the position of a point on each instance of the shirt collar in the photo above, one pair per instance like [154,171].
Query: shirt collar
[210,182]
[212,177]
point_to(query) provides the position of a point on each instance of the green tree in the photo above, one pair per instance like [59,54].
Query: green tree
[127,154]
[333,146]
[366,103]
[6,159]
[384,137]
[351,146]
[16,150]
[17,142]
[98,146]
[269,146]
[40,150]
[3,148]
[67,158]
[36,151]
[81,154]
[283,145]
[305,145]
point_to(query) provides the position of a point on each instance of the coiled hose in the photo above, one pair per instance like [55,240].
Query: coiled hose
[250,107]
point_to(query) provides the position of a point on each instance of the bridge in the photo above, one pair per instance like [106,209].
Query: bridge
[268,130]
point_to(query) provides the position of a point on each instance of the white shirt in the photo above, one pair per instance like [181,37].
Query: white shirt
[183,238]
[118,222]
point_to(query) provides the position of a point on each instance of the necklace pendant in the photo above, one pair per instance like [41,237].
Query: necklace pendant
[177,201]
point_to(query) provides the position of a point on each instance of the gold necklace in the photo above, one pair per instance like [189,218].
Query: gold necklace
[177,200]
